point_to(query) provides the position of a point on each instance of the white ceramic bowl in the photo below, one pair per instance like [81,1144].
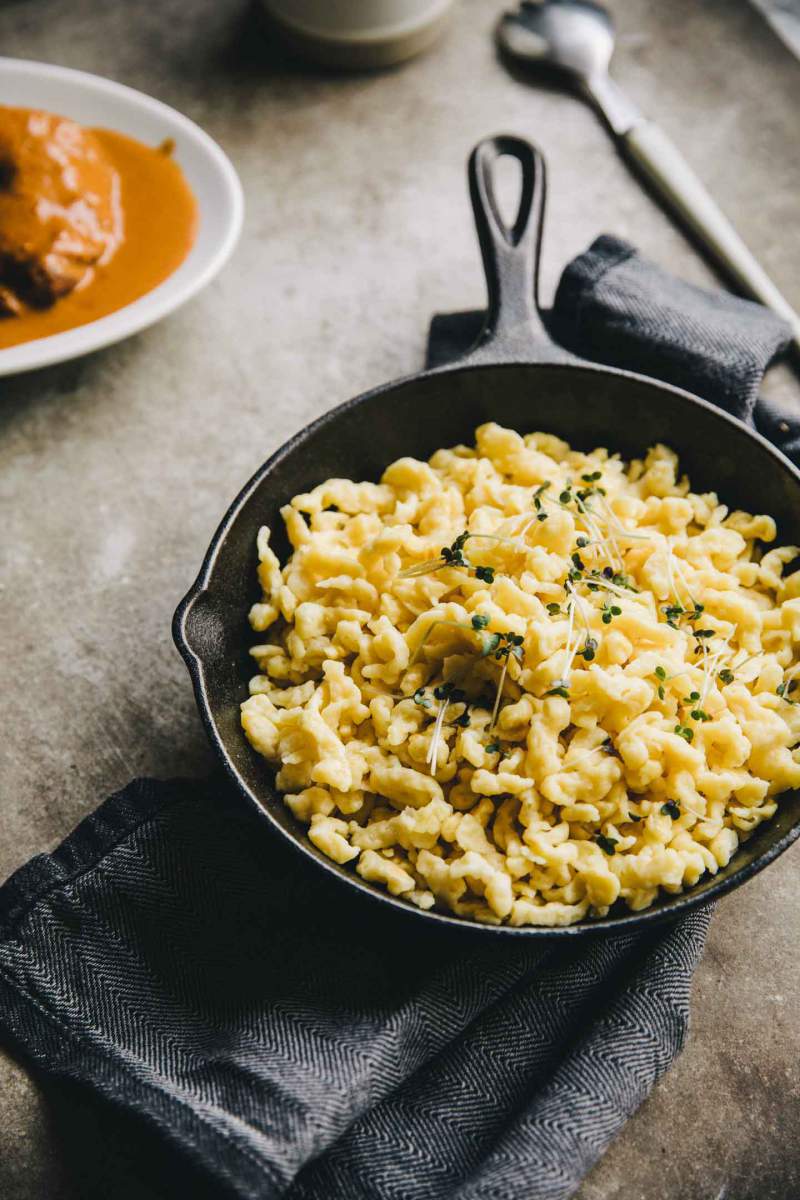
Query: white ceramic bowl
[94,101]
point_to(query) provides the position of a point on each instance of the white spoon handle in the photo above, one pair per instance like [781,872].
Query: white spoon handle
[671,176]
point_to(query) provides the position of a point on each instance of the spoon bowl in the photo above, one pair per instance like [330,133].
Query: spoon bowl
[575,37]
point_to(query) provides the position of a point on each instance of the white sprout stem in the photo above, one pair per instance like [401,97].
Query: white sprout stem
[565,765]
[626,593]
[671,576]
[433,749]
[704,688]
[682,578]
[499,695]
[569,651]
[530,521]
[593,530]
[614,551]
[709,666]
[496,537]
[700,816]
[582,612]
[614,521]
[734,666]
[422,641]
[434,625]
[424,568]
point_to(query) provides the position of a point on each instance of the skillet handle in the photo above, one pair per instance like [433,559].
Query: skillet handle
[513,330]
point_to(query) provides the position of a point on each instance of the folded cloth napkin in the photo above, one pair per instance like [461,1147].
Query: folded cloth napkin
[214,1017]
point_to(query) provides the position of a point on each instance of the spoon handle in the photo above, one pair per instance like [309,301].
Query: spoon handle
[668,172]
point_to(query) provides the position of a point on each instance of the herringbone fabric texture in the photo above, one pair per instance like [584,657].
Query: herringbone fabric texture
[615,307]
[256,1032]
[295,1044]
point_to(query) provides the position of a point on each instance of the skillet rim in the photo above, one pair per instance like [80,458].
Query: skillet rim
[669,911]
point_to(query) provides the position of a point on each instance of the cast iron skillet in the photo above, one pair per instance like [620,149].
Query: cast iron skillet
[514,375]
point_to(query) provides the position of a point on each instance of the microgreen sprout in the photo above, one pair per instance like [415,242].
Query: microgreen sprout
[614,523]
[489,643]
[511,647]
[446,693]
[541,515]
[453,556]
[471,628]
[559,689]
[609,612]
[554,609]
[589,649]
[673,613]
[421,699]
[685,732]
[595,475]
[726,675]
[783,690]
[492,747]
[671,809]
[606,844]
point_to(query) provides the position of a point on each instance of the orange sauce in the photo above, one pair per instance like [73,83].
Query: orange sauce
[158,227]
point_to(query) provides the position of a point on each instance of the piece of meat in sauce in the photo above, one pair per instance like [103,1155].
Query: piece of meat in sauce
[60,212]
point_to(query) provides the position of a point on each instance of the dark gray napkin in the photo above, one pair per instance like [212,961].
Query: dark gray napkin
[213,1017]
[291,1041]
[614,307]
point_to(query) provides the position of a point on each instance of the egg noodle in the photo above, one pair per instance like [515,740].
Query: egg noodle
[522,683]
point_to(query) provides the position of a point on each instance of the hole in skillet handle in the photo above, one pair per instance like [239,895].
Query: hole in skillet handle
[513,330]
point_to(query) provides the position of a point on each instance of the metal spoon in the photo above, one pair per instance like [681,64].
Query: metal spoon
[575,38]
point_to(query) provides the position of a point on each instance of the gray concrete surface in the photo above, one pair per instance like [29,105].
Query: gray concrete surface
[114,470]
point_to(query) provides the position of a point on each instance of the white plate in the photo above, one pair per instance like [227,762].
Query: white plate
[91,100]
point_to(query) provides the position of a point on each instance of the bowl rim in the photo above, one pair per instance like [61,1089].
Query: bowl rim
[678,904]
[169,294]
